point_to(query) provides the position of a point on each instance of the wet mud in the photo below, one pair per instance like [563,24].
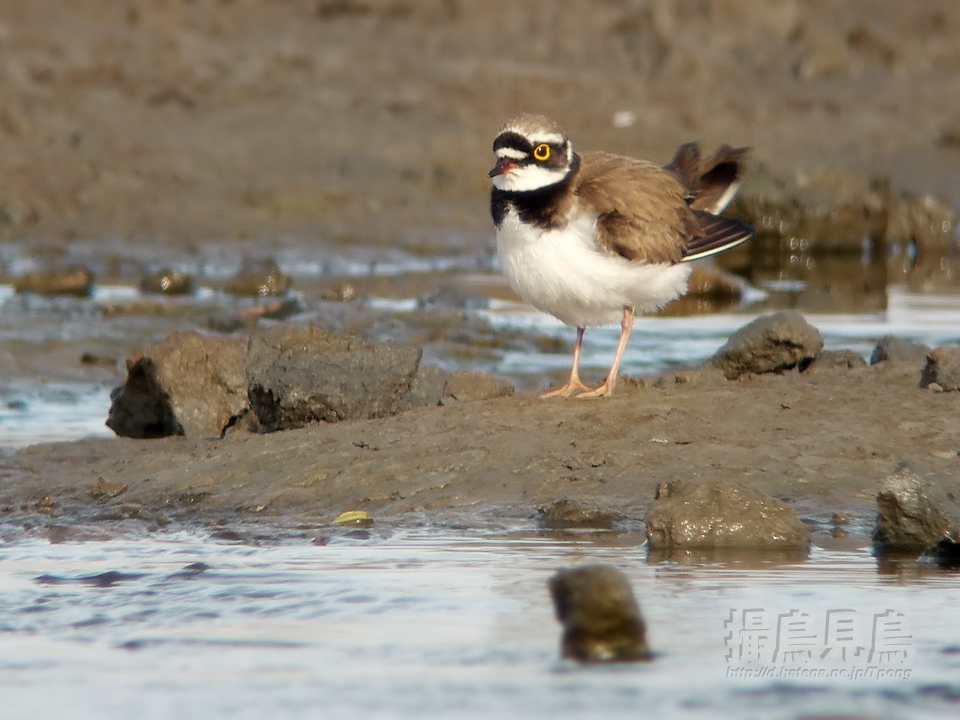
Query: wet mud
[821,441]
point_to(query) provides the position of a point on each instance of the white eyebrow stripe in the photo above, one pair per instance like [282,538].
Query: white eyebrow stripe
[549,139]
[511,153]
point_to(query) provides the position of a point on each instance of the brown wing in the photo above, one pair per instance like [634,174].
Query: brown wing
[643,208]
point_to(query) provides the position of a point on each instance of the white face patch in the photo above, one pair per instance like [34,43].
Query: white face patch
[528,177]
[512,153]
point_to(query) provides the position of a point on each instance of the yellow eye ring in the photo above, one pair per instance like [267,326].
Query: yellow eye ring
[541,152]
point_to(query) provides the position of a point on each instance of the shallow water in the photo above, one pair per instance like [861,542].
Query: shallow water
[34,412]
[415,624]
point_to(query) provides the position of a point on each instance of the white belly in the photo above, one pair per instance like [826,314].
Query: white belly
[562,272]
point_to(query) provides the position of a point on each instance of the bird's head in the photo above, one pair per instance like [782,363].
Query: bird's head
[532,153]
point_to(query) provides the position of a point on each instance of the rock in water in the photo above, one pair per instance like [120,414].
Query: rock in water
[600,616]
[167,281]
[772,343]
[915,510]
[721,514]
[75,280]
[567,513]
[259,278]
[186,384]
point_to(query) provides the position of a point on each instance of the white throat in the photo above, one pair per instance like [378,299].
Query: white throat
[528,177]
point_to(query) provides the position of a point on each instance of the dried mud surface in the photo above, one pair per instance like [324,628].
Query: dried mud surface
[823,440]
[190,120]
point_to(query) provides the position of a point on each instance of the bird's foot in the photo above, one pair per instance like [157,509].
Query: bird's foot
[567,390]
[604,390]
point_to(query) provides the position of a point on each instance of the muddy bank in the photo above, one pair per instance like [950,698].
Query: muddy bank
[822,440]
[372,120]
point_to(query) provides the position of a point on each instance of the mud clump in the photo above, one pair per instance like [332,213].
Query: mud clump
[942,369]
[721,514]
[772,343]
[186,384]
[916,510]
[566,514]
[600,616]
[471,385]
[299,375]
[837,360]
[895,349]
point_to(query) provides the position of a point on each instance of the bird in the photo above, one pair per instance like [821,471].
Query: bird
[593,238]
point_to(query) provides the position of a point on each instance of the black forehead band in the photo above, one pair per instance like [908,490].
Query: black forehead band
[512,140]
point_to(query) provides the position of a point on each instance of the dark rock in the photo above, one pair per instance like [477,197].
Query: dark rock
[258,278]
[298,375]
[721,514]
[771,343]
[73,280]
[916,510]
[469,385]
[186,384]
[600,616]
[837,360]
[167,281]
[893,348]
[943,369]
[566,513]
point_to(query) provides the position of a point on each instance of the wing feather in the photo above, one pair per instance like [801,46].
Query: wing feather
[642,209]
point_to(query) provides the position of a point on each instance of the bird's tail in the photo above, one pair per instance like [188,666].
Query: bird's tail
[712,181]
[719,234]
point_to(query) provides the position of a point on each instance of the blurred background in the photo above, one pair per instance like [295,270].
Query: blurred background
[221,163]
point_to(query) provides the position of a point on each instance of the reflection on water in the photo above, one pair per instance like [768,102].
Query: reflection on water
[412,625]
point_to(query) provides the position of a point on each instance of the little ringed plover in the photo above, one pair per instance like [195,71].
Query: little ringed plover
[592,238]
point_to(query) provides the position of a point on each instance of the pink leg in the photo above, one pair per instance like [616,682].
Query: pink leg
[573,384]
[607,388]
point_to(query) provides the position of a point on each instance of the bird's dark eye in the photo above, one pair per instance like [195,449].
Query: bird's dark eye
[541,152]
